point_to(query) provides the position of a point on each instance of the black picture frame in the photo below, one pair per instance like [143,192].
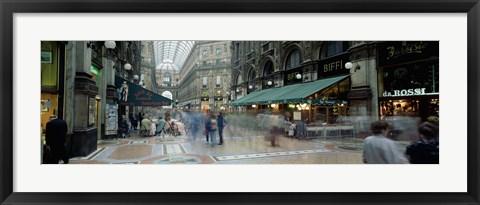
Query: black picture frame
[10,7]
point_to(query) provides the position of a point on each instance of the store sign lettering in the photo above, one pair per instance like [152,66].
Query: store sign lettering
[333,66]
[409,48]
[405,92]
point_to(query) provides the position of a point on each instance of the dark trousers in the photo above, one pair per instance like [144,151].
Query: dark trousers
[220,134]
[206,134]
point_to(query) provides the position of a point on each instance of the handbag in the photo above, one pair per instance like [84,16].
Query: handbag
[47,155]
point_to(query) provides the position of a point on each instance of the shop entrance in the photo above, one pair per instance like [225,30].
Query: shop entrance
[410,107]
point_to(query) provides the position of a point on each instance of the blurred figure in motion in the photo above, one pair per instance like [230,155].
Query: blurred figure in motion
[425,150]
[133,121]
[123,127]
[206,120]
[211,127]
[378,149]
[160,125]
[195,123]
[145,127]
[221,123]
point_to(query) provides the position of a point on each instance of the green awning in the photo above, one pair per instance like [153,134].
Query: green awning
[288,94]
[274,95]
[307,89]
[243,100]
[131,94]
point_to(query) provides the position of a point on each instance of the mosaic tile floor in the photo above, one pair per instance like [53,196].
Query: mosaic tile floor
[243,148]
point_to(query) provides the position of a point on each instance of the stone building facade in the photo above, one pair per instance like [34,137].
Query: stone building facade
[258,65]
[204,80]
[86,86]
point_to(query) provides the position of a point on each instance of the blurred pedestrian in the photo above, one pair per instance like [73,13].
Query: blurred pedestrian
[195,124]
[425,150]
[211,127]
[123,127]
[55,138]
[160,125]
[206,123]
[133,121]
[221,123]
[145,127]
[378,149]
[140,116]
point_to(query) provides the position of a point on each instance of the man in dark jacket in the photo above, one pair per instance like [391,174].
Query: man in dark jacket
[55,137]
[221,123]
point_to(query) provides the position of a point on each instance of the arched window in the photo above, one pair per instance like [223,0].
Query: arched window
[239,79]
[331,48]
[293,60]
[167,79]
[251,75]
[268,68]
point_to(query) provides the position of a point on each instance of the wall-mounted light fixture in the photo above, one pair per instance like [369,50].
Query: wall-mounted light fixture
[299,76]
[92,45]
[110,44]
[269,82]
[349,65]
[135,77]
[127,66]
[250,87]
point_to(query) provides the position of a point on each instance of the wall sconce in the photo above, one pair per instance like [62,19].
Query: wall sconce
[92,45]
[299,76]
[110,44]
[269,82]
[250,87]
[349,65]
[127,66]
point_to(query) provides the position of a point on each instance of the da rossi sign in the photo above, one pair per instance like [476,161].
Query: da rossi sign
[405,92]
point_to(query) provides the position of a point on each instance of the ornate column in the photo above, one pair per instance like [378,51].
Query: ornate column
[84,137]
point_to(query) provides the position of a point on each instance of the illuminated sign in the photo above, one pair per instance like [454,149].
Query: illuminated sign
[405,92]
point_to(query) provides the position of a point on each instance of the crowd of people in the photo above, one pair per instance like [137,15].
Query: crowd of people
[381,149]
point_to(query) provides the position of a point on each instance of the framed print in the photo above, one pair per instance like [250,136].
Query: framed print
[406,27]
[46,57]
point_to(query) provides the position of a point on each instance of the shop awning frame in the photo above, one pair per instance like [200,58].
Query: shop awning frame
[296,93]
[137,95]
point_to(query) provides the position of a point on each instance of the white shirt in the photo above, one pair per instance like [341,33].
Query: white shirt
[378,149]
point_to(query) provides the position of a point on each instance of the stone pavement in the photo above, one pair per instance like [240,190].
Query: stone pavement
[245,147]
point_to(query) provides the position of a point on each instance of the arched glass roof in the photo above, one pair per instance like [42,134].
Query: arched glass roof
[175,52]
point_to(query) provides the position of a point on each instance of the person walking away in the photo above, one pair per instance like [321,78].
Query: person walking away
[123,127]
[221,123]
[212,128]
[133,121]
[55,137]
[195,124]
[206,123]
[425,150]
[378,149]
[140,117]
[153,128]
[160,125]
[145,127]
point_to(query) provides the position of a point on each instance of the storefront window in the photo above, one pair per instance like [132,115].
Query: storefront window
[49,65]
[411,79]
